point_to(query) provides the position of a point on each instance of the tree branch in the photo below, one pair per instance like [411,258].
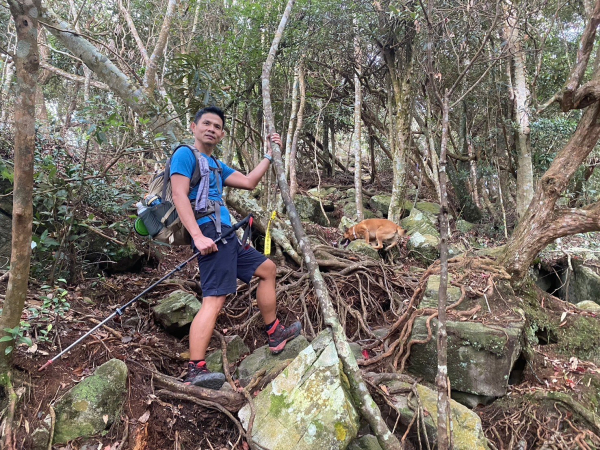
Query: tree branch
[72,76]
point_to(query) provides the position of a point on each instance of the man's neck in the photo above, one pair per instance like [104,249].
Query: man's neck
[206,149]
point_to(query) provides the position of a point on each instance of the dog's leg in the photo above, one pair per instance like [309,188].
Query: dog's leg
[379,240]
[367,236]
[394,242]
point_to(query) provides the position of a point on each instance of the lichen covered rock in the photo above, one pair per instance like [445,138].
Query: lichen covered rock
[93,405]
[308,405]
[177,311]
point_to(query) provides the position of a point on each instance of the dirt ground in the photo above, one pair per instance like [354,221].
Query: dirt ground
[150,423]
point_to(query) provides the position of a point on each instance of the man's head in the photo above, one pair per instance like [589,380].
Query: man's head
[207,128]
[210,110]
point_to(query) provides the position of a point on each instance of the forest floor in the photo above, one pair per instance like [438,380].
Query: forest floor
[148,422]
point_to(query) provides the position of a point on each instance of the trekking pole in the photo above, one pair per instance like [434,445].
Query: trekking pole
[119,311]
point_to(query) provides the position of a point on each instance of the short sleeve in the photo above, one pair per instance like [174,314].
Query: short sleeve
[226,170]
[183,162]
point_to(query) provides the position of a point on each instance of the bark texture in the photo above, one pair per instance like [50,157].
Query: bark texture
[520,95]
[25,14]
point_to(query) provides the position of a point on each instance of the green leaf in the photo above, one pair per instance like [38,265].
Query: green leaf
[6,338]
[8,350]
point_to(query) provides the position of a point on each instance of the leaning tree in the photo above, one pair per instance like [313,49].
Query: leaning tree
[544,220]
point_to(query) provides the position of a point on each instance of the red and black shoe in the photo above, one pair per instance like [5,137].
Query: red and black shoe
[199,375]
[279,335]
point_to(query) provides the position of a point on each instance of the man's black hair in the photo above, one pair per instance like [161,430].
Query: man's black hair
[210,110]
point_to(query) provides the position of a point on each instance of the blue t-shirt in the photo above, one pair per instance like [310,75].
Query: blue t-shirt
[184,163]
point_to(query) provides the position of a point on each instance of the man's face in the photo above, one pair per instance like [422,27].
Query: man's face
[208,130]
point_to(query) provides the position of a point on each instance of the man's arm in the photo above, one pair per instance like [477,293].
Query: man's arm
[250,181]
[180,187]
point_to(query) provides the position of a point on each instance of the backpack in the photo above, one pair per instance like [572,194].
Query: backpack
[158,211]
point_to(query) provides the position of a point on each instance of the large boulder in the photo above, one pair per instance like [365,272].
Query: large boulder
[381,203]
[424,238]
[177,311]
[309,209]
[583,285]
[308,406]
[350,211]
[467,432]
[93,405]
[262,358]
[471,347]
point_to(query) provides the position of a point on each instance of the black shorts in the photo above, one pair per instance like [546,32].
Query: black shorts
[220,270]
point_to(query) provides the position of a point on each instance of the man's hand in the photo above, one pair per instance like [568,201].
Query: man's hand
[273,138]
[205,245]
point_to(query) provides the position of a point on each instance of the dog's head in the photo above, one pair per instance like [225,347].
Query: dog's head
[349,235]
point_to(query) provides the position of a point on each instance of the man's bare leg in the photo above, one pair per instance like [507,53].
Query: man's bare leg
[203,325]
[265,292]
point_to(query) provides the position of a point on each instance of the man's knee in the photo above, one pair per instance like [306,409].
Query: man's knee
[212,305]
[267,270]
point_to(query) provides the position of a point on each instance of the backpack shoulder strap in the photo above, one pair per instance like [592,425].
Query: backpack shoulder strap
[218,174]
[167,174]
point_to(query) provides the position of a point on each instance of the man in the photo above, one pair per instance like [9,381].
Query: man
[221,264]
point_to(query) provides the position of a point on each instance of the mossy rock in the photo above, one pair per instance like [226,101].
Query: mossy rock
[93,405]
[177,311]
[588,305]
[308,406]
[367,442]
[309,209]
[432,209]
[350,211]
[236,348]
[467,432]
[262,358]
[471,346]
[463,226]
[361,246]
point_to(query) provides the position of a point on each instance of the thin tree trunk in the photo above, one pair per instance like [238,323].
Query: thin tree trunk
[293,115]
[151,69]
[362,397]
[294,148]
[442,380]
[4,91]
[356,137]
[25,14]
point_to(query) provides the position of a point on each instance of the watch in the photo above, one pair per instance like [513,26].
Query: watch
[269,157]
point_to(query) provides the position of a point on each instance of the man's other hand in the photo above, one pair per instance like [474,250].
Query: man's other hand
[273,138]
[205,245]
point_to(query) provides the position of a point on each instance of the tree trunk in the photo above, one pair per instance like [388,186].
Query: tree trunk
[542,223]
[356,148]
[293,150]
[362,397]
[442,336]
[293,116]
[24,13]
[399,62]
[521,98]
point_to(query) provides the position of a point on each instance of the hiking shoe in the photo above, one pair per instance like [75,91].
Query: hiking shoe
[279,335]
[199,375]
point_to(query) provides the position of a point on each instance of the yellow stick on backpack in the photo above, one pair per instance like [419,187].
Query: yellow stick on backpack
[268,234]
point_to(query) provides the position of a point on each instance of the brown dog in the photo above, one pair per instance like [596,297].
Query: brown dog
[379,229]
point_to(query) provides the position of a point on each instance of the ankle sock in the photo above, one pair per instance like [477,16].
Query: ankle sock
[269,326]
[197,362]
